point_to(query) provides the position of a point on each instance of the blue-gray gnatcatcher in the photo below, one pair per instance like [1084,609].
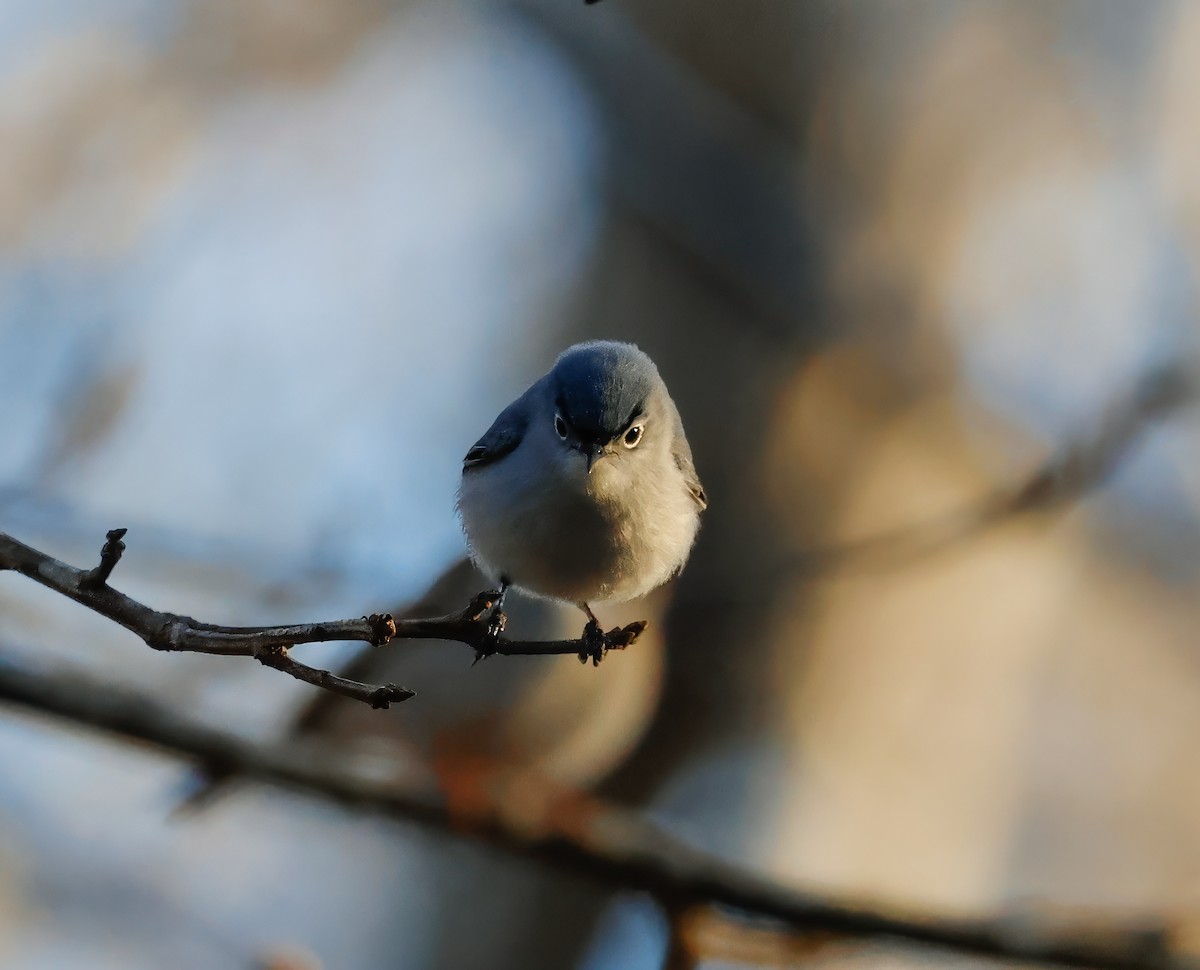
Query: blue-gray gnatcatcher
[583,489]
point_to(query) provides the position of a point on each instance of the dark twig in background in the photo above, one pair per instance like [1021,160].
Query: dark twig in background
[270,644]
[619,849]
[1078,467]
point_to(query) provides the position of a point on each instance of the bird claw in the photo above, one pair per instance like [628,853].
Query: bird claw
[481,603]
[494,627]
[496,624]
[596,643]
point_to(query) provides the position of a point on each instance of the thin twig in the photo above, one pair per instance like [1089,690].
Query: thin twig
[110,555]
[270,644]
[617,849]
[1081,465]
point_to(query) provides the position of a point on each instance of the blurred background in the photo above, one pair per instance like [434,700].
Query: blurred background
[269,267]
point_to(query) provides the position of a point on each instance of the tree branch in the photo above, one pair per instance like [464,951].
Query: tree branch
[612,848]
[270,644]
[1079,466]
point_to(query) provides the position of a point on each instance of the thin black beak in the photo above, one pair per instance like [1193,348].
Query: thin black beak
[593,452]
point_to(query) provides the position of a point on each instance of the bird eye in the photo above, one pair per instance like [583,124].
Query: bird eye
[633,436]
[560,426]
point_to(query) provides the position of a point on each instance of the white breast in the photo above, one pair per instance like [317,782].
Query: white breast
[537,518]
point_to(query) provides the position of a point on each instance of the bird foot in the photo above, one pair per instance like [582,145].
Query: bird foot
[485,609]
[481,603]
[596,643]
[496,623]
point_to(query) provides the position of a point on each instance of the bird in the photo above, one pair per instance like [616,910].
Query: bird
[584,489]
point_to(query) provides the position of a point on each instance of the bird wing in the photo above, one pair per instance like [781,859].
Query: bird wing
[502,437]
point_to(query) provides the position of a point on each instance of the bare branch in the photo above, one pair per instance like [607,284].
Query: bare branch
[613,847]
[270,644]
[172,631]
[1079,466]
